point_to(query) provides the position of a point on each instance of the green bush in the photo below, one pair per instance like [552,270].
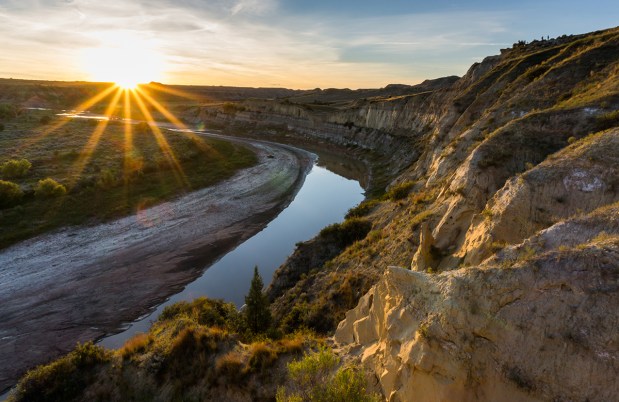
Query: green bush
[143,128]
[1,127]
[362,209]
[45,119]
[262,356]
[348,232]
[232,108]
[14,168]
[607,120]
[9,111]
[63,379]
[399,191]
[313,379]
[209,312]
[107,179]
[49,188]
[10,194]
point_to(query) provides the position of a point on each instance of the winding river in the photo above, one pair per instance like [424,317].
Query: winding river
[324,199]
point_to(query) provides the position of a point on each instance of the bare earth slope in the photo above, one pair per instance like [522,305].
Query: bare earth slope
[78,284]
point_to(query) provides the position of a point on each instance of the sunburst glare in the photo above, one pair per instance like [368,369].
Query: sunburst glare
[162,142]
[123,58]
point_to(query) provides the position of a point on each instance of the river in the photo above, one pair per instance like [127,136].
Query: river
[324,199]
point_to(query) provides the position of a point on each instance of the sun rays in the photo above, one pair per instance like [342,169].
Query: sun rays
[161,140]
[125,106]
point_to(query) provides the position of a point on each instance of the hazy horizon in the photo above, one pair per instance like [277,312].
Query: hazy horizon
[273,43]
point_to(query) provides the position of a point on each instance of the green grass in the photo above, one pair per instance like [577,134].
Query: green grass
[316,377]
[104,189]
[191,350]
[63,379]
[347,232]
[399,191]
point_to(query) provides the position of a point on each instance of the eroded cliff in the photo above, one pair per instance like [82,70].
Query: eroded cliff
[509,227]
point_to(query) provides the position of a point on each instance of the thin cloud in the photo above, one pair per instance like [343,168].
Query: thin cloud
[256,42]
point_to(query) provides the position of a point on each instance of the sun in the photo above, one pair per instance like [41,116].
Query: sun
[124,59]
[128,83]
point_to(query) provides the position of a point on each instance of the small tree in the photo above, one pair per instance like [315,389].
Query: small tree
[257,313]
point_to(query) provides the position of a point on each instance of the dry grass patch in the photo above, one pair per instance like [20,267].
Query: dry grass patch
[137,344]
[261,356]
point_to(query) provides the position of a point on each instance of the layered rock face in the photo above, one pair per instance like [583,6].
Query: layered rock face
[512,280]
[383,121]
[537,322]
[512,293]
[510,229]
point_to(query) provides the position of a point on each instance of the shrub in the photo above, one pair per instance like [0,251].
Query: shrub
[135,345]
[45,119]
[10,194]
[487,213]
[9,111]
[204,311]
[292,344]
[232,108]
[230,366]
[313,369]
[48,188]
[191,353]
[107,179]
[348,232]
[313,379]
[143,128]
[421,217]
[348,385]
[63,379]
[262,356]
[1,127]
[399,191]
[362,209]
[607,120]
[15,168]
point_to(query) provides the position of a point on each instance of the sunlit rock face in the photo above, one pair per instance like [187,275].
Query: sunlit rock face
[508,235]
[541,329]
[511,293]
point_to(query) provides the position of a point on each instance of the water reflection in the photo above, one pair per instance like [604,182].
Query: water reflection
[324,199]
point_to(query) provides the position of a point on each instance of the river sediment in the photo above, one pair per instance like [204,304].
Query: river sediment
[79,284]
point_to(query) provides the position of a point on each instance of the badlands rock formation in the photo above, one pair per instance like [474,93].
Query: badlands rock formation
[508,242]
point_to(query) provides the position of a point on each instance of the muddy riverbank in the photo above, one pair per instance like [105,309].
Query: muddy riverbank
[78,284]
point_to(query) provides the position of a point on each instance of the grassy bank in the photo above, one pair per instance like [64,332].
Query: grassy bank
[196,351]
[99,179]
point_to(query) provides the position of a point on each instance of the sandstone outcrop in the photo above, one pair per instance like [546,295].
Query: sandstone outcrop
[524,326]
[512,227]
[579,179]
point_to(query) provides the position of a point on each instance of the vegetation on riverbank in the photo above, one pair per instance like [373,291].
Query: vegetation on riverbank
[199,350]
[72,176]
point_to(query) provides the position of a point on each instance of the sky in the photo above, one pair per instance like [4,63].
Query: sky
[275,43]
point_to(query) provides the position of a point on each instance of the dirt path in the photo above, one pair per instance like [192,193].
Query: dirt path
[78,284]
